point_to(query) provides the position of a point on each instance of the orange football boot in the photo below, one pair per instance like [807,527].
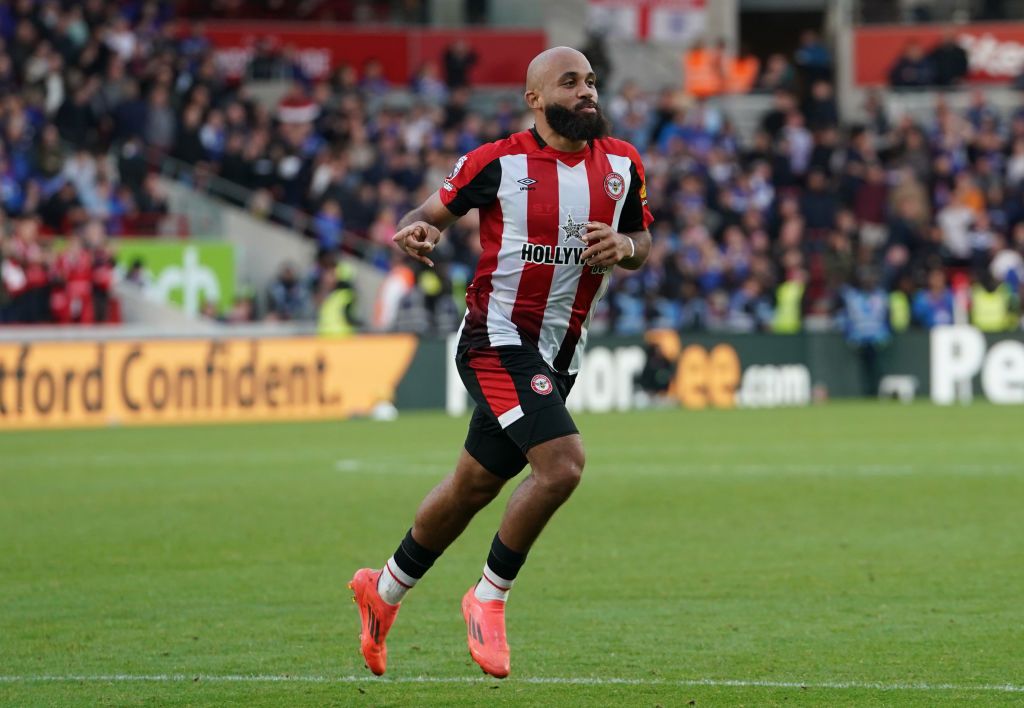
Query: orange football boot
[376,616]
[485,634]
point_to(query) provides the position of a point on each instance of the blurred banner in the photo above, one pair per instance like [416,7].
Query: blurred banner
[995,51]
[184,273]
[675,21]
[155,381]
[705,370]
[502,55]
[90,383]
[701,371]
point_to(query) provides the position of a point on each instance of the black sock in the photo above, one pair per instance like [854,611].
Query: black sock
[414,559]
[503,560]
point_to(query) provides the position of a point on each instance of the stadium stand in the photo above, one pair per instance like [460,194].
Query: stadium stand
[759,231]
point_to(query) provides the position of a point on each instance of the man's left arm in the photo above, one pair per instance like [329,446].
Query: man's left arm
[629,247]
[610,248]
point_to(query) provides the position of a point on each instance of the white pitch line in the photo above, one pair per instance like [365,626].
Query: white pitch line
[571,681]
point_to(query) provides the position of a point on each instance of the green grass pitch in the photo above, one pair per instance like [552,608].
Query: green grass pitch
[848,554]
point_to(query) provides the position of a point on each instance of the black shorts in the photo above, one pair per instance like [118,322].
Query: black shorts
[520,403]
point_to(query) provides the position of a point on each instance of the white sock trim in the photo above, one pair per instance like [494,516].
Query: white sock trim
[499,582]
[492,587]
[393,583]
[399,574]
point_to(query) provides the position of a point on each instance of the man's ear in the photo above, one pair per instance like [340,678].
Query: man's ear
[532,98]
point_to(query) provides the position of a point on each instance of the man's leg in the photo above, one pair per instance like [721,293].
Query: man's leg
[451,505]
[487,462]
[442,516]
[557,467]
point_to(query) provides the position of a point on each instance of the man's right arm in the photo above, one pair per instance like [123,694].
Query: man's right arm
[420,229]
[472,183]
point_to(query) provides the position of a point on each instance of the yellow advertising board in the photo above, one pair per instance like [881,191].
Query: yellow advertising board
[153,381]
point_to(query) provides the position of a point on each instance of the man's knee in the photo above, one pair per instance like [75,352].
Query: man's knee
[561,471]
[475,486]
[563,478]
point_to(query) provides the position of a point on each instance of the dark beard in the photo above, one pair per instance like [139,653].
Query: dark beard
[573,125]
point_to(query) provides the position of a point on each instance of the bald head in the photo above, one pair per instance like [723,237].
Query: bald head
[547,66]
[561,90]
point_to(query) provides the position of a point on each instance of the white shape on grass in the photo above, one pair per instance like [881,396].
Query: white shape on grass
[554,680]
[391,467]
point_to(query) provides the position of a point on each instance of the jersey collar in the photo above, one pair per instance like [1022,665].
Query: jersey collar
[567,157]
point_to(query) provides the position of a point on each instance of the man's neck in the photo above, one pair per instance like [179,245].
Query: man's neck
[557,141]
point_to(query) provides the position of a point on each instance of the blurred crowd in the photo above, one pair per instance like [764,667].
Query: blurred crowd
[40,283]
[809,208]
[768,233]
[73,168]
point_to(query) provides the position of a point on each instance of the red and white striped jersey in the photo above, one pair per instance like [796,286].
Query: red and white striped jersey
[530,286]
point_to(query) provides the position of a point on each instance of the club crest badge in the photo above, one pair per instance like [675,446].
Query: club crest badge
[458,166]
[541,384]
[614,186]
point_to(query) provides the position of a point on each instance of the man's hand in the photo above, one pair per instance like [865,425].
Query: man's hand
[604,246]
[417,239]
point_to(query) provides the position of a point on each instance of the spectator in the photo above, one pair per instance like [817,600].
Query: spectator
[790,303]
[76,119]
[877,121]
[750,310]
[101,257]
[188,146]
[821,110]
[288,298]
[948,60]
[981,114]
[459,60]
[329,226]
[778,75]
[955,221]
[819,204]
[934,305]
[864,312]
[337,316]
[992,305]
[71,289]
[130,112]
[772,122]
[429,86]
[813,58]
[703,71]
[159,129]
[742,71]
[870,206]
[595,49]
[912,69]
[656,376]
[266,62]
[797,143]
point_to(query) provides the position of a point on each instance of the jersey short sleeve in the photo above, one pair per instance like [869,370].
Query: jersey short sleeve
[635,214]
[473,182]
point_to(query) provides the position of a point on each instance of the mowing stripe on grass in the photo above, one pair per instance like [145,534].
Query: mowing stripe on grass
[566,680]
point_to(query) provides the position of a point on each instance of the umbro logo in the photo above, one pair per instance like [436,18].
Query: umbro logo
[527,184]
